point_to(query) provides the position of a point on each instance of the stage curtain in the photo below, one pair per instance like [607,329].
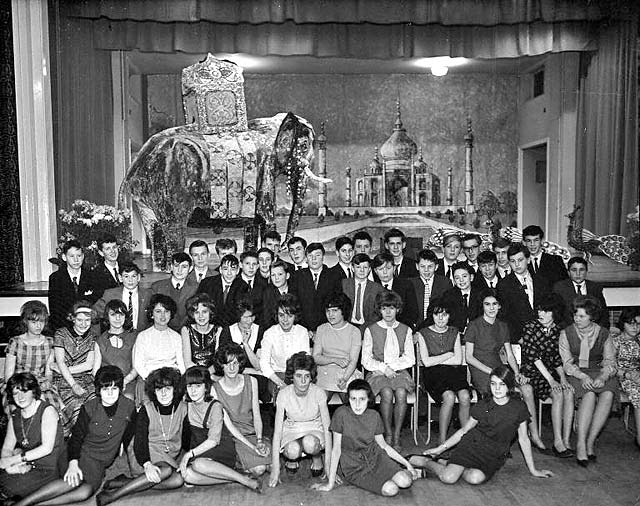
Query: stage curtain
[443,12]
[607,143]
[345,40]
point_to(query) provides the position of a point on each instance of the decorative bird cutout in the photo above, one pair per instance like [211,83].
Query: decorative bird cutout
[615,247]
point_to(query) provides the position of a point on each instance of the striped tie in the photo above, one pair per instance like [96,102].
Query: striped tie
[427,296]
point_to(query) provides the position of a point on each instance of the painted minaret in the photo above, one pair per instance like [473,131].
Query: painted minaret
[468,169]
[450,186]
[322,171]
[347,194]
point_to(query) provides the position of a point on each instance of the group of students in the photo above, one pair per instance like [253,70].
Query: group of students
[298,333]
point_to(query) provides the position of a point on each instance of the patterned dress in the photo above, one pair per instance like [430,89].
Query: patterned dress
[33,359]
[76,350]
[539,344]
[203,346]
[628,360]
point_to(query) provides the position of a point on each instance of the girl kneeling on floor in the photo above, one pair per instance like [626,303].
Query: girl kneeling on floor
[481,446]
[365,459]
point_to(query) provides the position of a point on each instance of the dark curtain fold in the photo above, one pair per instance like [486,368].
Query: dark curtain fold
[344,40]
[607,141]
[443,12]
[10,216]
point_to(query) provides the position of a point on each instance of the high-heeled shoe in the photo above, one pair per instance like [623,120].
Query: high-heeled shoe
[592,457]
[564,454]
[582,462]
[540,449]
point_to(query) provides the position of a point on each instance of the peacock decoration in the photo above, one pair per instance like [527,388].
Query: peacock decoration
[615,247]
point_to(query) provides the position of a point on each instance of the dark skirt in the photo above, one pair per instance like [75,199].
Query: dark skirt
[373,473]
[20,485]
[611,385]
[440,378]
[224,452]
[474,451]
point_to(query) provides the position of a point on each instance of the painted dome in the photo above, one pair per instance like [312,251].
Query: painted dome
[399,146]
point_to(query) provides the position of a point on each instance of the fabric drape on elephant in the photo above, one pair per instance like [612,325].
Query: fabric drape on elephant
[234,174]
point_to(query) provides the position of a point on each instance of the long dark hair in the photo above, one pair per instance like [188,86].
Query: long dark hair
[24,381]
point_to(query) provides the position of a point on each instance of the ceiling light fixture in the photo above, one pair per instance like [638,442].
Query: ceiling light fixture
[439,70]
[439,65]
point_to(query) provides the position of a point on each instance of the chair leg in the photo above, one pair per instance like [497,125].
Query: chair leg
[540,418]
[428,420]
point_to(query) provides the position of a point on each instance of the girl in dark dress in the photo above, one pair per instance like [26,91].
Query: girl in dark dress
[200,335]
[365,459]
[104,423]
[212,454]
[33,444]
[444,376]
[481,446]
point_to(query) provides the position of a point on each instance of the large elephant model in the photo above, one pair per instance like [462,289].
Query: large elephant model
[231,175]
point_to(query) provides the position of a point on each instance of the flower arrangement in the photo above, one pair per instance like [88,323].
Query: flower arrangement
[87,222]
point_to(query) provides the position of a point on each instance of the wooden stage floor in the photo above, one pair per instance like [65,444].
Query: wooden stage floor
[613,480]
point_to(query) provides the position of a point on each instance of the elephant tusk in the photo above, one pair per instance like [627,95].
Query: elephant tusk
[319,179]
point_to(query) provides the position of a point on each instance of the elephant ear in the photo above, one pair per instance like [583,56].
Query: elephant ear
[291,130]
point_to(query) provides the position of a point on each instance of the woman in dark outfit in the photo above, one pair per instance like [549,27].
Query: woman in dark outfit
[482,445]
[103,424]
[33,445]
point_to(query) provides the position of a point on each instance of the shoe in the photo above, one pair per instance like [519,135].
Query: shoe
[258,489]
[564,454]
[316,473]
[592,457]
[582,462]
[291,466]
[541,450]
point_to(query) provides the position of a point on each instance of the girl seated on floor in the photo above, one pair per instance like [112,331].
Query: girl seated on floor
[158,438]
[365,458]
[481,446]
[387,353]
[212,455]
[104,423]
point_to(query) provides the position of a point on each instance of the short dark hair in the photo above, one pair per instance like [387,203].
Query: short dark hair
[590,304]
[165,301]
[243,305]
[280,263]
[469,237]
[388,298]
[300,361]
[115,305]
[490,292]
[290,304]
[25,382]
[360,258]
[198,243]
[181,256]
[506,375]
[552,302]
[164,377]
[394,232]
[33,310]
[225,354]
[341,301]
[296,239]
[440,305]
[73,243]
[464,266]
[225,243]
[272,234]
[264,249]
[248,254]
[129,267]
[108,375]
[628,315]
[314,246]
[516,248]
[577,260]
[426,254]
[106,239]
[192,305]
[195,375]
[232,260]
[532,230]
[342,240]
[381,259]
[360,384]
[362,235]
[487,257]
[500,242]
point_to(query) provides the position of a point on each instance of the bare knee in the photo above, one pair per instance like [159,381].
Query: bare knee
[526,390]
[311,444]
[189,475]
[402,479]
[389,489]
[450,474]
[448,398]
[258,470]
[464,397]
[292,450]
[401,395]
[386,395]
[474,476]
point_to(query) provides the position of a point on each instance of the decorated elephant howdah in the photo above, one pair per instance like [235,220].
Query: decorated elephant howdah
[219,162]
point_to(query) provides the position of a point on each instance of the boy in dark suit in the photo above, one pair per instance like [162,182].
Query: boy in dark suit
[543,264]
[395,243]
[486,277]
[219,287]
[428,285]
[451,247]
[344,251]
[69,284]
[471,249]
[106,273]
[361,292]
[383,266]
[249,285]
[178,287]
[199,251]
[463,299]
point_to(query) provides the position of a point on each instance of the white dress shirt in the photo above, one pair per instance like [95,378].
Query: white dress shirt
[278,345]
